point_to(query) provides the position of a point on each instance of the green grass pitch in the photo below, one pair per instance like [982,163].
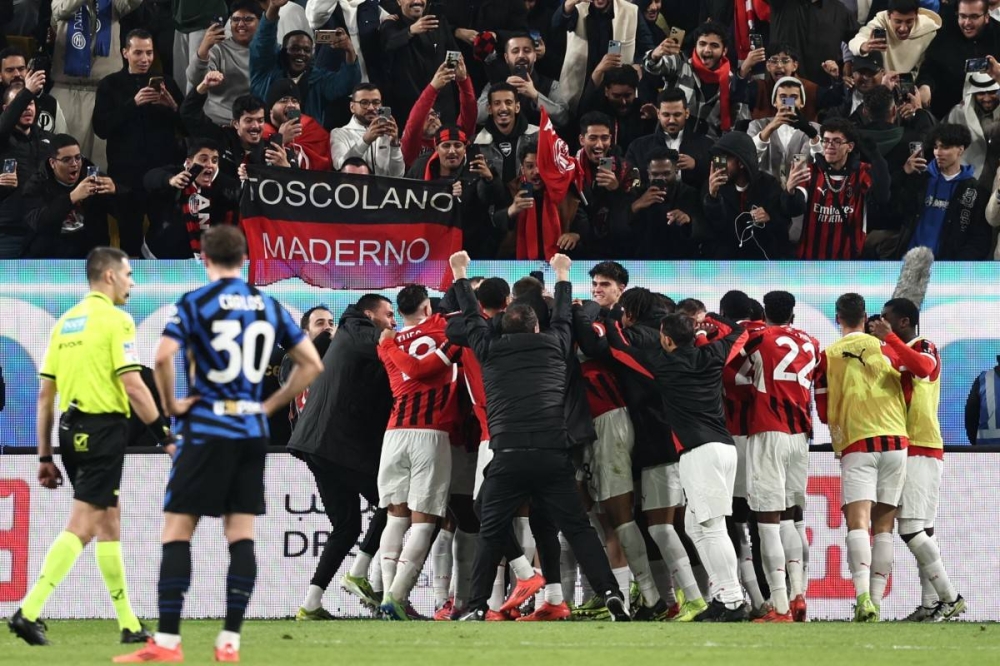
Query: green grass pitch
[365,643]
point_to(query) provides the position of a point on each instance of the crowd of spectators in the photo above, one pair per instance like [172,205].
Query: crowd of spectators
[717,129]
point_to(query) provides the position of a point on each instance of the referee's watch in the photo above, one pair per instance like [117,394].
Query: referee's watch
[44,459]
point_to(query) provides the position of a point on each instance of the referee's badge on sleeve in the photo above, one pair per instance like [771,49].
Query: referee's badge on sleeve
[131,353]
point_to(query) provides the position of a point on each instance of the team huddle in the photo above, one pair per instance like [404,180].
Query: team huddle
[659,450]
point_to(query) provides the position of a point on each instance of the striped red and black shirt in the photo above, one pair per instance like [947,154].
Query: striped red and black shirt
[834,224]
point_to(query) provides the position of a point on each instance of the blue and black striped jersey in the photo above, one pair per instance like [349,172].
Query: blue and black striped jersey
[227,330]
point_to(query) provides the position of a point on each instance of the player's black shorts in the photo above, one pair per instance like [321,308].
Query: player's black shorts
[93,453]
[218,477]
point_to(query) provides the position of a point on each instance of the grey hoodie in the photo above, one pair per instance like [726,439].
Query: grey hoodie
[233,61]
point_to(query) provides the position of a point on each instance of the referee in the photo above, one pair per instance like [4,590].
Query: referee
[524,377]
[93,364]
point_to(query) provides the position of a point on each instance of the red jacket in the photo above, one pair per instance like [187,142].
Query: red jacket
[312,147]
[413,141]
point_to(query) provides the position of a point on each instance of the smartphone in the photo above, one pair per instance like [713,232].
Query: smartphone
[906,83]
[385,112]
[522,72]
[276,139]
[614,47]
[155,82]
[536,37]
[10,165]
[93,171]
[195,170]
[798,158]
[325,36]
[473,152]
[293,114]
[719,162]
[976,65]
[659,183]
[916,147]
[527,189]
[756,41]
[219,21]
[879,33]
[451,58]
[677,35]
[788,101]
[607,163]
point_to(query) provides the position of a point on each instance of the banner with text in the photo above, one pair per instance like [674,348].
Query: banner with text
[347,231]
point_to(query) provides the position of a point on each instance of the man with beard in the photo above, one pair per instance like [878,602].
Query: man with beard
[137,115]
[506,129]
[534,89]
[229,55]
[13,70]
[189,206]
[294,61]
[301,134]
[616,97]
[414,46]
[370,136]
[21,138]
[603,219]
[339,436]
[979,112]
[240,143]
[664,216]
[715,93]
[672,132]
[67,210]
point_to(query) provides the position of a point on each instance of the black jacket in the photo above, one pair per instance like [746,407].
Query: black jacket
[655,238]
[625,129]
[60,229]
[697,146]
[139,138]
[349,404]
[524,374]
[965,235]
[690,379]
[31,150]
[199,125]
[168,236]
[944,62]
[815,30]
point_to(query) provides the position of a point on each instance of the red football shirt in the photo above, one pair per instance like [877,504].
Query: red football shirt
[783,365]
[835,222]
[736,389]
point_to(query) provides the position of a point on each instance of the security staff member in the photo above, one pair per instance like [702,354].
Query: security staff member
[982,423]
[93,364]
[524,376]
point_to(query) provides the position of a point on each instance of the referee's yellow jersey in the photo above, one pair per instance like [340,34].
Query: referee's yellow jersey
[91,346]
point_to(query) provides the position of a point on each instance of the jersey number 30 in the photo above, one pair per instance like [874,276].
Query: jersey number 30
[258,338]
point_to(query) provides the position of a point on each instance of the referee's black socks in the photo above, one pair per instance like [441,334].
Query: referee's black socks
[175,579]
[239,582]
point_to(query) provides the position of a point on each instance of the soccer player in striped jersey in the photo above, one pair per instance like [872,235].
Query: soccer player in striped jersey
[919,363]
[415,467]
[859,393]
[782,363]
[227,330]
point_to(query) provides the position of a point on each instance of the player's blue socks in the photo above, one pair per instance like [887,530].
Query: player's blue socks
[175,578]
[239,582]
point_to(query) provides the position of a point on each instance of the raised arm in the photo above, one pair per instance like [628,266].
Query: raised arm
[417,368]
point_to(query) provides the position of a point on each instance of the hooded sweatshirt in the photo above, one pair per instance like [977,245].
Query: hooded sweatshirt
[940,190]
[233,61]
[903,55]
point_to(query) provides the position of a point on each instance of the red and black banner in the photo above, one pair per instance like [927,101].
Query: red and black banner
[347,231]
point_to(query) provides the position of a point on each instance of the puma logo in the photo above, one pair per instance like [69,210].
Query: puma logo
[847,354]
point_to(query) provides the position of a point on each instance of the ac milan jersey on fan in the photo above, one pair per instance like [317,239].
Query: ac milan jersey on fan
[603,394]
[737,393]
[783,362]
[425,397]
[835,218]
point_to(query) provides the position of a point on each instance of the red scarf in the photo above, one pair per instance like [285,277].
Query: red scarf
[312,147]
[197,222]
[748,12]
[719,77]
[558,171]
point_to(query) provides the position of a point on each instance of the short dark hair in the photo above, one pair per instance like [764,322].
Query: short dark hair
[611,269]
[621,76]
[12,52]
[355,162]
[878,103]
[851,309]
[518,34]
[519,318]
[304,321]
[984,3]
[136,33]
[526,286]
[666,302]
[638,302]
[224,245]
[841,126]
[904,307]
[245,104]
[949,135]
[756,310]
[679,328]
[779,306]
[295,33]
[370,302]
[493,293]
[690,306]
[735,304]
[712,28]
[670,95]
[251,6]
[502,86]
[662,154]
[594,118]
[774,48]
[60,141]
[527,146]
[363,87]
[198,144]
[903,6]
[410,298]
[101,259]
